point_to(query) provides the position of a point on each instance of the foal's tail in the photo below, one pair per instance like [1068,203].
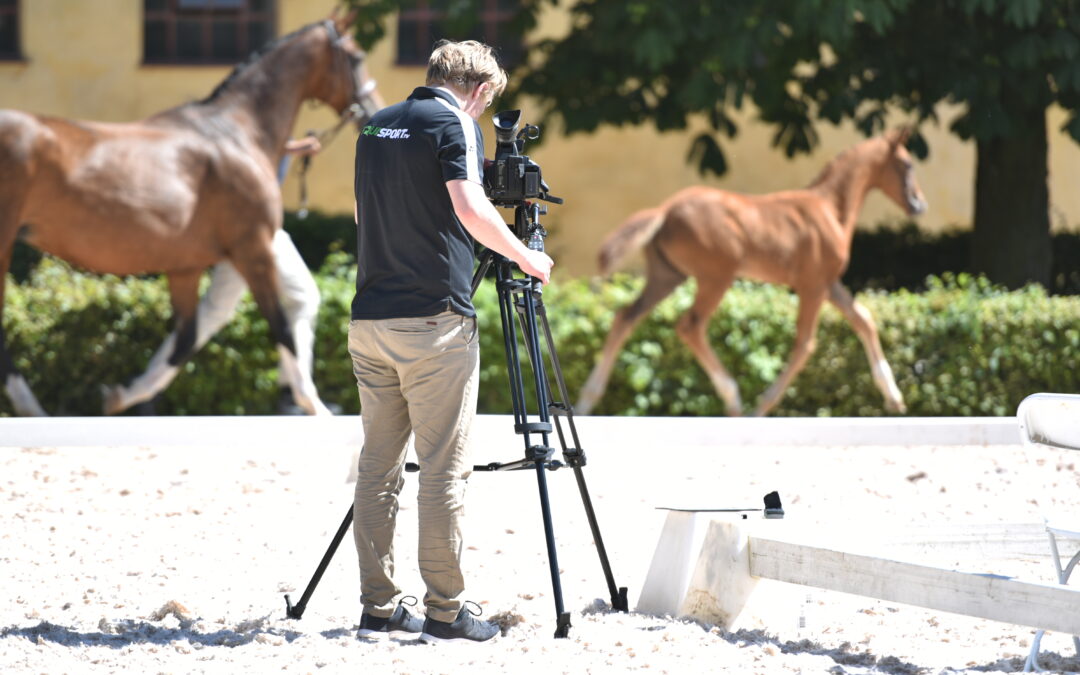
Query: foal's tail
[634,233]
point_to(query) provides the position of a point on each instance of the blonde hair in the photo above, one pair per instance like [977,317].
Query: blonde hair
[463,65]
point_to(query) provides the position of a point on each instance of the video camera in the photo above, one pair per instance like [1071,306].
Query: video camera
[513,178]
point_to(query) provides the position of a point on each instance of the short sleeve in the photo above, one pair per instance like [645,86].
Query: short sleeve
[460,148]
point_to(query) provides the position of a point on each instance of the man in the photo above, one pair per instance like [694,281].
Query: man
[420,204]
[299,300]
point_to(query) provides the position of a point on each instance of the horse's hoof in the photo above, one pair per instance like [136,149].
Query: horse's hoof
[112,399]
[896,407]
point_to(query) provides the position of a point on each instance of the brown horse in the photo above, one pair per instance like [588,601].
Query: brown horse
[801,238]
[181,190]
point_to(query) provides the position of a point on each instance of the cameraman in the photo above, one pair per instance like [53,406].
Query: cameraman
[420,203]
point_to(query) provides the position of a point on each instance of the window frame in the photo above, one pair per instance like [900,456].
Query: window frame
[16,54]
[172,14]
[422,16]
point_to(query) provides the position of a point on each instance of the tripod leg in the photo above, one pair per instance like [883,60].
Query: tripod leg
[562,617]
[576,459]
[539,454]
[297,611]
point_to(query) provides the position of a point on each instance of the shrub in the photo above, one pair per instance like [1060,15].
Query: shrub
[962,347]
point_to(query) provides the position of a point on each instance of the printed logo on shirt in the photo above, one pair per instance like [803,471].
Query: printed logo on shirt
[385,132]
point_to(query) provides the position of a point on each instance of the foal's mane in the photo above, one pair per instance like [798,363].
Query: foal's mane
[839,160]
[252,59]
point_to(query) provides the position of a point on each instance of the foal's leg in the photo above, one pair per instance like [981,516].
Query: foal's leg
[862,321]
[662,280]
[693,328]
[805,329]
[18,391]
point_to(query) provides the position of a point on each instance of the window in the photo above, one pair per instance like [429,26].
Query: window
[205,31]
[422,25]
[10,49]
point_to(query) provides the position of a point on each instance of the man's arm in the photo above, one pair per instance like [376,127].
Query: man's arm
[484,223]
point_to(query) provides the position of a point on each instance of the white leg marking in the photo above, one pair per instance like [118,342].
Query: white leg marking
[24,401]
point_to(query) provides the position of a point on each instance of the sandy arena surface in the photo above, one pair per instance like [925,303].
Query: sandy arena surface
[175,560]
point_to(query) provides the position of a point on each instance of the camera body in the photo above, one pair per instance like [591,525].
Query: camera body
[512,178]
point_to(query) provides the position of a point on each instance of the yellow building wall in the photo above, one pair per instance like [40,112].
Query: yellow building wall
[83,60]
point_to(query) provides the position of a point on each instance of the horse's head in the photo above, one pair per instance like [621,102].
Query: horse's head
[345,84]
[896,175]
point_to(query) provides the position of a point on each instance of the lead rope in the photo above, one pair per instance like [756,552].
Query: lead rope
[326,136]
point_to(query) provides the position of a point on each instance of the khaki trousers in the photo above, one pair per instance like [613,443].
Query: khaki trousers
[418,376]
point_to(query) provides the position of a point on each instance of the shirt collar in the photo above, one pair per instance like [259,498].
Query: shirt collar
[435,92]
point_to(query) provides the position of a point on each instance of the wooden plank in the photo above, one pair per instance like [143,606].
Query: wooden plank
[1047,606]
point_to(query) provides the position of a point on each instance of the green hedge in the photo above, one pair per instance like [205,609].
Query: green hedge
[890,256]
[960,348]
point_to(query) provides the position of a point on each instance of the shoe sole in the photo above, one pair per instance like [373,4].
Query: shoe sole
[379,636]
[427,638]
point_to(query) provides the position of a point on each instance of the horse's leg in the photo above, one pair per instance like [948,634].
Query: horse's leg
[693,327]
[260,271]
[184,292]
[300,301]
[805,329]
[22,398]
[215,309]
[862,321]
[661,281]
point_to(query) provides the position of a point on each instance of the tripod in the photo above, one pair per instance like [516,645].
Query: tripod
[521,298]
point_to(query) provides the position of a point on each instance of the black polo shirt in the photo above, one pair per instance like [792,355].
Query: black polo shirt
[414,257]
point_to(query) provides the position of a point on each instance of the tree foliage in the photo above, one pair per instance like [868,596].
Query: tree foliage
[794,64]
[800,62]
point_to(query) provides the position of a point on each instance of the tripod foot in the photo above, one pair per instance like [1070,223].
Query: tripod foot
[619,602]
[562,625]
[293,611]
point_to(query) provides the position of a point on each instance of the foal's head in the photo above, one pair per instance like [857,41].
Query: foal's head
[896,175]
[345,81]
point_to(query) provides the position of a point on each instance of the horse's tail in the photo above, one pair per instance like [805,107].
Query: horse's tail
[634,233]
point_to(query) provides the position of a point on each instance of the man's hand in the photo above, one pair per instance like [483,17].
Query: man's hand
[484,223]
[305,146]
[536,264]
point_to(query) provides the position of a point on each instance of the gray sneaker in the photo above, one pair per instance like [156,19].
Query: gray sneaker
[464,628]
[400,624]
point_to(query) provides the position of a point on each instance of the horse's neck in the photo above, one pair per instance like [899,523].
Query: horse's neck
[844,184]
[269,93]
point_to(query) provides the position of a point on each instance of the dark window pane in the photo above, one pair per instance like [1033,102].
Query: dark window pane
[189,41]
[435,31]
[258,34]
[155,41]
[205,31]
[408,49]
[210,4]
[9,34]
[223,45]
[8,3]
[510,54]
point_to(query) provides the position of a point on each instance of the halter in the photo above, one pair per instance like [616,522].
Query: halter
[362,101]
[363,106]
